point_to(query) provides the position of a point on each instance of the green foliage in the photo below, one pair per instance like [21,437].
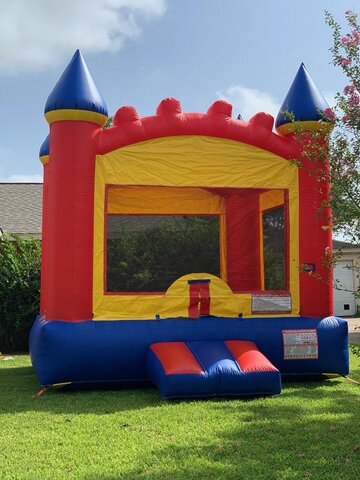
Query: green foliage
[108,124]
[19,289]
[150,257]
[335,155]
[339,150]
[274,248]
[274,269]
[344,145]
[355,349]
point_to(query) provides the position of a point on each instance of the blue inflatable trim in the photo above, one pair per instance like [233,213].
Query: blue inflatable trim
[76,89]
[45,147]
[303,100]
[95,352]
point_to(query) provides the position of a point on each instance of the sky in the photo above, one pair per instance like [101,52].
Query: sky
[141,51]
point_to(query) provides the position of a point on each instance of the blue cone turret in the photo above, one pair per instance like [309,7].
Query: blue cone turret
[76,96]
[303,103]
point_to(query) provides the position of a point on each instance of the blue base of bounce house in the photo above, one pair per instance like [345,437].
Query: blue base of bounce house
[110,352]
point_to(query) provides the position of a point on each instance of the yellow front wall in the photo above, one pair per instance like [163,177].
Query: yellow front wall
[188,161]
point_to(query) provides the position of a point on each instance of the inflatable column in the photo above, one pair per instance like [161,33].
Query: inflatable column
[75,110]
[44,158]
[307,106]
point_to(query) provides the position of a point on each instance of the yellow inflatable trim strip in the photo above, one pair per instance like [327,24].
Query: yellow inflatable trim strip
[305,126]
[44,159]
[72,114]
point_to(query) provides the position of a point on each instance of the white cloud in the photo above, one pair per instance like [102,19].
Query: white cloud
[22,179]
[40,33]
[248,101]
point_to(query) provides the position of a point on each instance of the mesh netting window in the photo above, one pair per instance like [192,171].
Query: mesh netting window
[148,253]
[274,248]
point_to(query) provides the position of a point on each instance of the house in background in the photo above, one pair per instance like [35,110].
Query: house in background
[21,213]
[346,275]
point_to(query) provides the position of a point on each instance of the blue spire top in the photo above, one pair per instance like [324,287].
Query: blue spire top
[304,101]
[76,90]
[44,149]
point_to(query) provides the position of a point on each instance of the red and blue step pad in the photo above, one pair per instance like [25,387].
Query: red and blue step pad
[211,368]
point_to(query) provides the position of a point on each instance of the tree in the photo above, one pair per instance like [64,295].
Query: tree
[149,253]
[344,143]
[339,147]
[19,289]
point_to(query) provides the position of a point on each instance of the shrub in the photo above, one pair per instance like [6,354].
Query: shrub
[19,290]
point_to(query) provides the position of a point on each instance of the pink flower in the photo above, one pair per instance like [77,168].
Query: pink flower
[348,12]
[345,118]
[356,39]
[354,100]
[329,114]
[345,62]
[349,89]
[353,39]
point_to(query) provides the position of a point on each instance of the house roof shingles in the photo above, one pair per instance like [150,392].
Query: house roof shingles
[339,244]
[21,208]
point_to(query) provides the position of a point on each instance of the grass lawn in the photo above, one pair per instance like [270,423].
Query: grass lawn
[312,430]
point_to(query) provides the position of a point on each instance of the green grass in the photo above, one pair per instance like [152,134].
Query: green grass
[312,430]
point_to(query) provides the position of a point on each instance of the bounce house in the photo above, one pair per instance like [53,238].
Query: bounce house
[174,247]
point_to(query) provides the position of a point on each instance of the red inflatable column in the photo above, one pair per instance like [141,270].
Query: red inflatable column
[316,291]
[70,221]
[44,158]
[305,110]
[75,110]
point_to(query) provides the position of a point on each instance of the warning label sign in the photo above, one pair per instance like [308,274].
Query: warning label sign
[270,303]
[300,344]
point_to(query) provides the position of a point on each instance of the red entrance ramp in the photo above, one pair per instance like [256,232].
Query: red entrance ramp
[208,368]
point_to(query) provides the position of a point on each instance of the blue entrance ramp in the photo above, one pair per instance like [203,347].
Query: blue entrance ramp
[211,368]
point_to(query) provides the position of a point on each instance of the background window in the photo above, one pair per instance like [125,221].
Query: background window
[274,248]
[147,253]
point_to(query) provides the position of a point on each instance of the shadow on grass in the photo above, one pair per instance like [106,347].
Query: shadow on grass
[272,441]
[19,384]
[312,428]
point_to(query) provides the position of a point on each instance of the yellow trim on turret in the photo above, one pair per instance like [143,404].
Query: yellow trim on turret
[306,126]
[44,159]
[72,114]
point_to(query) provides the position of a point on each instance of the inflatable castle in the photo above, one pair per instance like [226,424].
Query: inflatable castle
[174,247]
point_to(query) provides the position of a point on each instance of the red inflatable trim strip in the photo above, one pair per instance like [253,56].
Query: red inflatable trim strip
[249,357]
[176,358]
[199,294]
[217,122]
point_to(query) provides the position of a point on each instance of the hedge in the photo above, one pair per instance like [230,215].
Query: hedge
[19,290]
